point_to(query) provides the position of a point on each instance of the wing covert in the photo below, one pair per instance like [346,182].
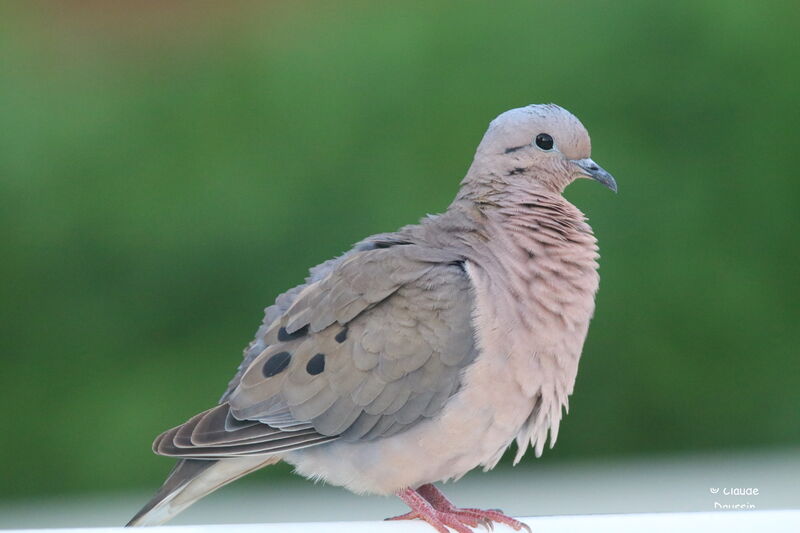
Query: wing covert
[374,344]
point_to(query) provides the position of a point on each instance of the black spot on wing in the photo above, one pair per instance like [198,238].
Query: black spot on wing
[341,336]
[276,364]
[389,244]
[316,364]
[380,243]
[284,335]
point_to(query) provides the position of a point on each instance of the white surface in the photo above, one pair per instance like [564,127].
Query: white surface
[538,487]
[728,522]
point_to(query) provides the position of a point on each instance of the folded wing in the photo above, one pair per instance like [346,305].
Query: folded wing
[375,345]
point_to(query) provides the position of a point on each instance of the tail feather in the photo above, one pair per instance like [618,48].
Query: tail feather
[190,480]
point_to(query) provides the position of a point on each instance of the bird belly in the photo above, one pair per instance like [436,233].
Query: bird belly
[515,388]
[473,429]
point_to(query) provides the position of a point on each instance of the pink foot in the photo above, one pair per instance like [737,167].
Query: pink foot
[441,520]
[493,515]
[429,504]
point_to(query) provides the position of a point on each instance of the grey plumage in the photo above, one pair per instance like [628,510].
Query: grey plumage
[379,372]
[387,354]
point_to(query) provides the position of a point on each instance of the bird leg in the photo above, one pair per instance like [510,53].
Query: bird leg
[430,504]
[441,520]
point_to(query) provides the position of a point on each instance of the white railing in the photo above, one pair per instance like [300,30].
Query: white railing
[709,522]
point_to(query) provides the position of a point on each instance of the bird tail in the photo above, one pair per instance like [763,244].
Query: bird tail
[190,480]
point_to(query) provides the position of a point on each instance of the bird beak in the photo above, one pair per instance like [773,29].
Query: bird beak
[592,170]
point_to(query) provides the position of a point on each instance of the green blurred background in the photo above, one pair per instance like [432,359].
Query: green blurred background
[166,168]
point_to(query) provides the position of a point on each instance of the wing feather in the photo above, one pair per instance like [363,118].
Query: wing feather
[372,344]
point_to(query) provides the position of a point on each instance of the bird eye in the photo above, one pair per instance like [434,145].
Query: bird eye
[544,141]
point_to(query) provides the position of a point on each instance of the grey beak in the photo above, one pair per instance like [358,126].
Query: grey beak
[596,172]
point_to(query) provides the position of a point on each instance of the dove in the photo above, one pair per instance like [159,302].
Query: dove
[418,355]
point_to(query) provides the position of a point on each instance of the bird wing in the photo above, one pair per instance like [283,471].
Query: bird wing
[374,346]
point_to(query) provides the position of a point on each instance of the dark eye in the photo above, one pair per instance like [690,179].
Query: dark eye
[544,141]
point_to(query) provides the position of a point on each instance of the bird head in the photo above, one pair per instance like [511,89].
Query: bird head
[540,146]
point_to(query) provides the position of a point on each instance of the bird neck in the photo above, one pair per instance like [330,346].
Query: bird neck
[536,247]
[509,179]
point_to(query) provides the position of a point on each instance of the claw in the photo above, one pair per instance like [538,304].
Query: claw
[496,515]
[408,516]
